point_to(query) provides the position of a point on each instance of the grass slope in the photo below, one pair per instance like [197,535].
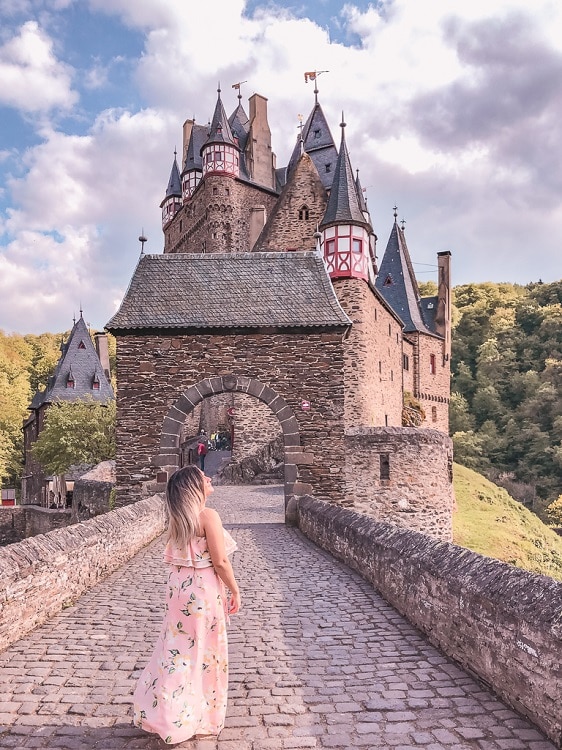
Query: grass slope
[489,521]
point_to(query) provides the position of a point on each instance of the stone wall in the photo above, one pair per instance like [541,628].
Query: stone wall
[12,524]
[255,426]
[402,475]
[373,357]
[92,492]
[40,520]
[66,562]
[218,216]
[287,363]
[499,622]
[433,389]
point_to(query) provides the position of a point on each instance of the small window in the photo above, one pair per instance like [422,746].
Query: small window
[215,191]
[328,167]
[388,281]
[392,375]
[405,361]
[432,364]
[380,366]
[81,345]
[317,133]
[330,247]
[385,465]
[70,383]
[96,385]
[357,246]
[375,313]
[434,414]
[389,330]
[303,213]
[181,225]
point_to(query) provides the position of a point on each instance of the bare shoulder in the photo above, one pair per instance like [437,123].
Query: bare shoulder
[210,518]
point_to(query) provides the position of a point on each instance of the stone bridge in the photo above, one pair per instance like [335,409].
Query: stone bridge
[318,659]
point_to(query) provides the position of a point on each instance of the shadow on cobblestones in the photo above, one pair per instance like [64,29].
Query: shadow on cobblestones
[317,659]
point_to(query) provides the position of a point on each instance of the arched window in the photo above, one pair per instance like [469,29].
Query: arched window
[303,213]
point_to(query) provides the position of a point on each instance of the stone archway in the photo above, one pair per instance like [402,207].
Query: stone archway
[169,449]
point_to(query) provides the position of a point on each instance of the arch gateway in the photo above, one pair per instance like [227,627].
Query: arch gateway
[270,327]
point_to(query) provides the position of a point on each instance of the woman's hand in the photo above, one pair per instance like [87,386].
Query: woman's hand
[233,603]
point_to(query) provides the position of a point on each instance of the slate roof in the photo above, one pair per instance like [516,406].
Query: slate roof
[343,203]
[193,158]
[220,131]
[397,283]
[174,183]
[79,357]
[318,142]
[229,290]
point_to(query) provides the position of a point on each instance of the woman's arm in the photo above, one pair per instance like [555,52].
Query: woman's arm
[212,528]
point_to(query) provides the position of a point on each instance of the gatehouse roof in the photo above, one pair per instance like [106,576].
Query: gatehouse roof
[229,290]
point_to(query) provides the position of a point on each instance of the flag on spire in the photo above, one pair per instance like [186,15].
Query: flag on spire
[310,76]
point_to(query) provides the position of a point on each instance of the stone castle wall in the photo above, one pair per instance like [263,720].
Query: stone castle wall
[373,350]
[402,475]
[255,426]
[498,621]
[288,363]
[66,562]
[218,217]
[433,389]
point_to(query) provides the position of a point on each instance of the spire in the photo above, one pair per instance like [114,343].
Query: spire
[397,282]
[343,203]
[316,140]
[220,131]
[174,183]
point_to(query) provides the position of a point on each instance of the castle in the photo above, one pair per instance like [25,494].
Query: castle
[270,303]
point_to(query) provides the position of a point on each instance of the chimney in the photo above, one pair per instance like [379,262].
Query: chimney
[443,314]
[102,352]
[187,128]
[259,151]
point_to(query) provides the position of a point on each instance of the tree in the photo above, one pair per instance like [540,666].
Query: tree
[460,418]
[77,432]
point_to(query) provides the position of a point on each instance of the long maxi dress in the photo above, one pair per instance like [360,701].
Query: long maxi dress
[183,689]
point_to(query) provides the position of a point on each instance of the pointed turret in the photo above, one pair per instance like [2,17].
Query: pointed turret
[317,141]
[172,202]
[347,236]
[220,151]
[193,166]
[397,283]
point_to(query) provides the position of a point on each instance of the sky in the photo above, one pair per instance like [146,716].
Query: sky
[453,113]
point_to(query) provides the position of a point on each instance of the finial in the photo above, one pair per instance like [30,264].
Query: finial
[342,123]
[175,152]
[142,240]
[395,212]
[219,89]
[73,319]
[81,311]
[403,222]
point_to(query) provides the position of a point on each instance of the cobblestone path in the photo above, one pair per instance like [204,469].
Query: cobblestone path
[318,659]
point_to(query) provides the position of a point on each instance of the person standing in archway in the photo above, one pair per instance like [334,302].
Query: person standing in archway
[202,452]
[182,692]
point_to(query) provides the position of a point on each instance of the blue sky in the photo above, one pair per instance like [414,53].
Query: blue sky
[453,113]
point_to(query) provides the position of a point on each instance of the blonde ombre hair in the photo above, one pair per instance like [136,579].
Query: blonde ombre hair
[185,494]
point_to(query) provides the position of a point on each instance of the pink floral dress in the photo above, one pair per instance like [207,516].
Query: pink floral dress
[182,690]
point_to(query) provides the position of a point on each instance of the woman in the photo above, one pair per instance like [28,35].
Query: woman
[182,690]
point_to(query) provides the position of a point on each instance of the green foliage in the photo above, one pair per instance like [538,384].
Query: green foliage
[490,522]
[77,432]
[15,395]
[506,407]
[413,412]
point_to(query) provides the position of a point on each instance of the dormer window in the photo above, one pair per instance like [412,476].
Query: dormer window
[317,133]
[70,383]
[96,383]
[388,281]
[81,345]
[303,213]
[328,167]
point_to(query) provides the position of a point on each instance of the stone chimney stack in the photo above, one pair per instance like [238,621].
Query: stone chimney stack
[260,157]
[444,305]
[187,128]
[102,351]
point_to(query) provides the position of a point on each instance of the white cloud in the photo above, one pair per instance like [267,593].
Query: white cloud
[32,79]
[82,200]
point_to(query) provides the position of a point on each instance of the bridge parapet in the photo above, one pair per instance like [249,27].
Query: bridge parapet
[42,574]
[501,623]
